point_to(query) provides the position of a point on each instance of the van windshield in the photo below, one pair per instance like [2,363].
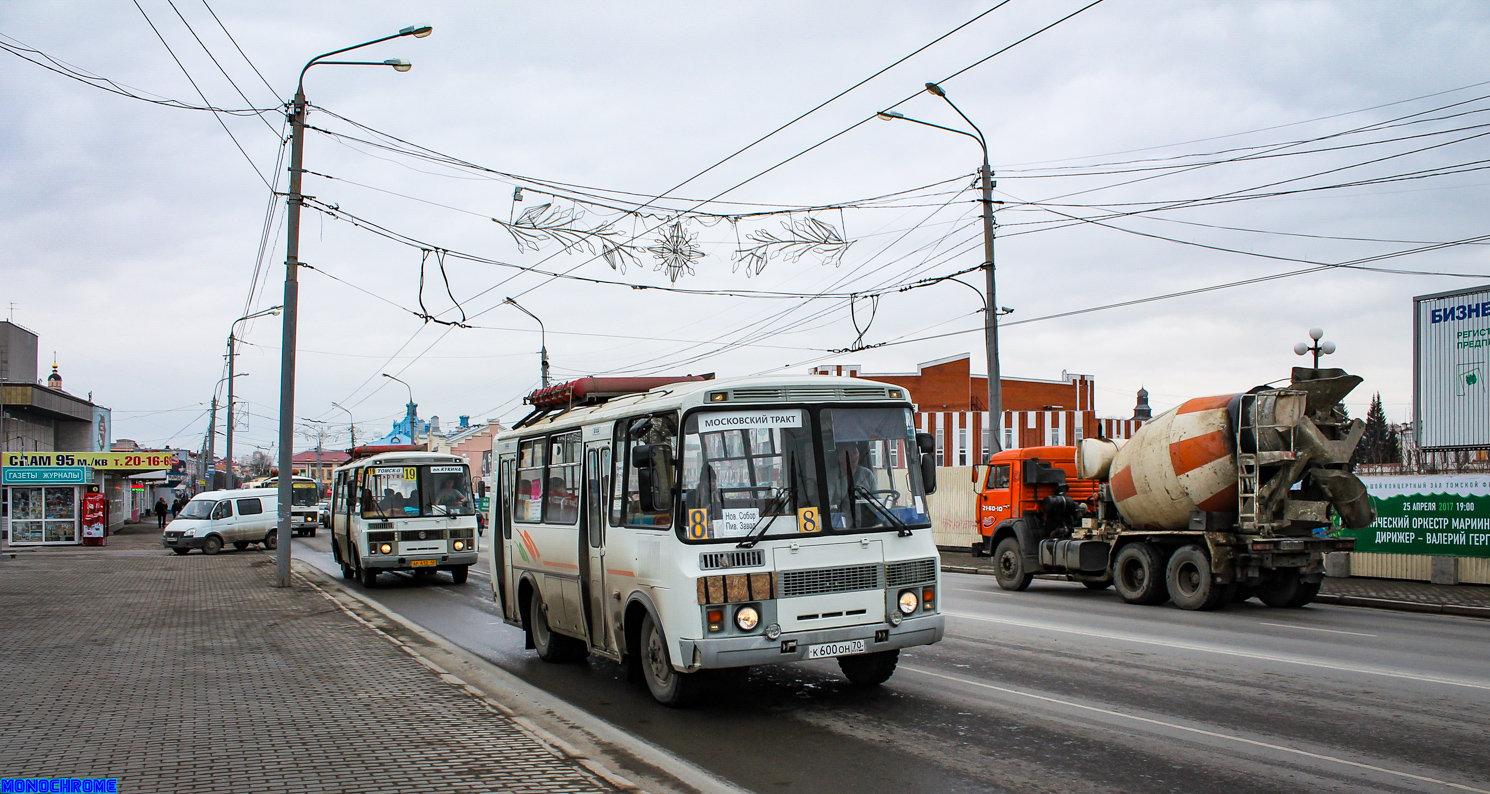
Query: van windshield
[198,508]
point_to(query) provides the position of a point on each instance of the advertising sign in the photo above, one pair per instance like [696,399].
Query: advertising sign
[1451,364]
[1446,515]
[46,475]
[106,461]
[93,512]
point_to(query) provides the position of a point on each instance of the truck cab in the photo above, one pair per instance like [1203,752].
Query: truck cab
[1032,498]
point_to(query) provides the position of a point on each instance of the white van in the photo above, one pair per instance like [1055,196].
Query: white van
[215,518]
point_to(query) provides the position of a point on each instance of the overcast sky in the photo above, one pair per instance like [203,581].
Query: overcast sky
[131,230]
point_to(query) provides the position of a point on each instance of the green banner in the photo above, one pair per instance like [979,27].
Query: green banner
[1447,515]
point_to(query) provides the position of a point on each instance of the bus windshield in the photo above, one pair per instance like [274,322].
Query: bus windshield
[872,481]
[748,473]
[304,494]
[413,491]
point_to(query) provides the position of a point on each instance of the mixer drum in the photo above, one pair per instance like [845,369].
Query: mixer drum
[1180,462]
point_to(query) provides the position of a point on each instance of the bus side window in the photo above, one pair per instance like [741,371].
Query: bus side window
[660,430]
[617,487]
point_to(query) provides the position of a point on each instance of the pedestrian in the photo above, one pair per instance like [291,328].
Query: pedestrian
[175,507]
[160,512]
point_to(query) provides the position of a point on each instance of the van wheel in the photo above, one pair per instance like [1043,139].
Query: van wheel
[1284,589]
[240,544]
[459,573]
[181,551]
[1191,583]
[212,545]
[869,669]
[551,647]
[1138,574]
[668,686]
[1008,566]
[271,540]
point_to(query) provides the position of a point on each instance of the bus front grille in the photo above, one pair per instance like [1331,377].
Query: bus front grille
[910,572]
[818,581]
[381,537]
[421,534]
[715,560]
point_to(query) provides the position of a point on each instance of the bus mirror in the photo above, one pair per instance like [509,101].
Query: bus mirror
[654,471]
[641,456]
[928,473]
[926,443]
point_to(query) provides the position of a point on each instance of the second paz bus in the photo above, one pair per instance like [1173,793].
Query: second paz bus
[681,525]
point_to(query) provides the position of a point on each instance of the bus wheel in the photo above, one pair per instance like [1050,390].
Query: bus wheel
[347,572]
[1191,584]
[668,686]
[1008,566]
[369,576]
[551,647]
[1138,574]
[459,573]
[869,669]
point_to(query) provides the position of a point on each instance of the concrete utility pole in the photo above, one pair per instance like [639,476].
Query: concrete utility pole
[990,311]
[292,290]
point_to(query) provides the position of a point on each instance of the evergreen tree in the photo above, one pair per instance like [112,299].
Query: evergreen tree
[1380,443]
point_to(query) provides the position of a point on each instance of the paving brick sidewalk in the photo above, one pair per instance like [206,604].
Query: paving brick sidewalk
[1466,599]
[192,674]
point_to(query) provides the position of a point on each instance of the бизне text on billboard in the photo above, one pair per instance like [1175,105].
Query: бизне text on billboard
[1451,366]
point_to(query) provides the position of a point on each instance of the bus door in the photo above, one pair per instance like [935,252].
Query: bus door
[502,534]
[593,536]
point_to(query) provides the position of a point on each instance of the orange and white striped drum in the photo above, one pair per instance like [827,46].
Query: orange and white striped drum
[1180,462]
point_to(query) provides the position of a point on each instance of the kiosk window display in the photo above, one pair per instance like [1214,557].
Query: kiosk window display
[43,514]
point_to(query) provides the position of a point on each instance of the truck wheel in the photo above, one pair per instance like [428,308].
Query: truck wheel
[459,573]
[1243,592]
[1008,566]
[869,669]
[1284,589]
[212,545]
[1191,582]
[551,647]
[668,686]
[1091,585]
[1138,574]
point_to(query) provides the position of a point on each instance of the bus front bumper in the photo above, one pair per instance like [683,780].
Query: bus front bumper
[443,561]
[793,647]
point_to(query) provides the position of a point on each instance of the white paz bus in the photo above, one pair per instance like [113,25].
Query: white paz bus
[687,525]
[402,509]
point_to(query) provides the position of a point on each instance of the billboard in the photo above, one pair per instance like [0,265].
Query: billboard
[1445,515]
[1450,369]
[106,461]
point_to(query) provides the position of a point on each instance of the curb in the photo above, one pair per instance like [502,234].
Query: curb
[539,705]
[1329,598]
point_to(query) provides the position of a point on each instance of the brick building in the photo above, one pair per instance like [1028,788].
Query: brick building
[951,404]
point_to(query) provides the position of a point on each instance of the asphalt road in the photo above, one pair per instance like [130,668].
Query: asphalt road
[1058,689]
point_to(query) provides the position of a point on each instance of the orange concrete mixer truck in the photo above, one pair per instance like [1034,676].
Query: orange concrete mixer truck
[1214,501]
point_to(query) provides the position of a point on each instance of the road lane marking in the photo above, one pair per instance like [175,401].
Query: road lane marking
[1311,628]
[1199,731]
[1187,646]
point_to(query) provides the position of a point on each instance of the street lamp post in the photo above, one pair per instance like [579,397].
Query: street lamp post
[990,317]
[292,289]
[351,428]
[409,411]
[232,355]
[542,342]
[211,470]
[1318,348]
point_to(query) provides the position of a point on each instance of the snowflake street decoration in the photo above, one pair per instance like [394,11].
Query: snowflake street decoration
[547,223]
[676,252]
[804,236]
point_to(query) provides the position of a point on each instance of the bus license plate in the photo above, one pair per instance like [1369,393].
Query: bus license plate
[836,649]
[426,563]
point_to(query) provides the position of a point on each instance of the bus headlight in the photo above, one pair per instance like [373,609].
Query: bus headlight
[460,545]
[387,548]
[747,618]
[908,602]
